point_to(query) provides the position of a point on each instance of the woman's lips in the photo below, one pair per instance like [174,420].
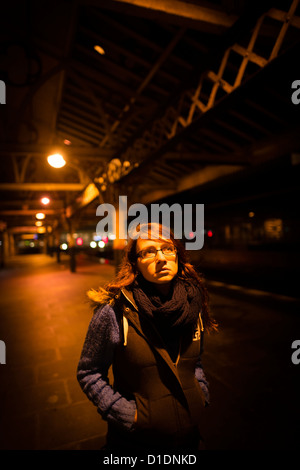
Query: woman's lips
[163,271]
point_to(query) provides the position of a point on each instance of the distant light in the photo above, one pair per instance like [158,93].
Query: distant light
[45,200]
[101,244]
[79,241]
[64,246]
[251,214]
[93,244]
[56,160]
[191,234]
[112,237]
[41,230]
[99,49]
[209,233]
[39,223]
[67,142]
[105,239]
[40,215]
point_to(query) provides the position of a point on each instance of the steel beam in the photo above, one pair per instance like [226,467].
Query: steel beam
[41,187]
[185,10]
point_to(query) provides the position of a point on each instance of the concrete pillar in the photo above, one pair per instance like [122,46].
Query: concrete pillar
[56,236]
[5,248]
[118,244]
[12,246]
[1,251]
[71,244]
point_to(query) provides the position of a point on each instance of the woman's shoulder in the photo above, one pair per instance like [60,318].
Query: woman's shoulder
[105,321]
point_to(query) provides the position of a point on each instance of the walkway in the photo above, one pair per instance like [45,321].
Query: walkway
[44,316]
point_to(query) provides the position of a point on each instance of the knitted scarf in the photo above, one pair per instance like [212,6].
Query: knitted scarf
[179,308]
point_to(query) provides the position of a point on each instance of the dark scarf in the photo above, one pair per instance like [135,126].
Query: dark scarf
[170,314]
[179,308]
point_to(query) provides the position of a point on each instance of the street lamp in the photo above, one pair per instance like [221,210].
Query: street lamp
[56,160]
[45,200]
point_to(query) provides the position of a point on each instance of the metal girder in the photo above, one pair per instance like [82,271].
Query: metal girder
[38,150]
[146,81]
[41,187]
[185,10]
[25,212]
[192,103]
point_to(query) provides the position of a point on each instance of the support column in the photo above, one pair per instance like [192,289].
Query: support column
[1,251]
[11,247]
[5,248]
[121,230]
[56,236]
[71,244]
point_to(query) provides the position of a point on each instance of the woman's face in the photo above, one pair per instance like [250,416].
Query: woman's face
[161,268]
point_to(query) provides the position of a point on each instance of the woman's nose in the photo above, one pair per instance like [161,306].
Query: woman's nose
[160,256]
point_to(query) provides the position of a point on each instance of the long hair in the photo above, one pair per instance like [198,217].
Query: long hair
[128,272]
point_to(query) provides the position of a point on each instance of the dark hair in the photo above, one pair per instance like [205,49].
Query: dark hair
[128,271]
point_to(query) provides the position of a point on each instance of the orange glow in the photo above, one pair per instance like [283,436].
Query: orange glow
[56,160]
[45,200]
[99,49]
[40,215]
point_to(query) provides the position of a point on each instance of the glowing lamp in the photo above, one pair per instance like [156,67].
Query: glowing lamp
[40,215]
[45,200]
[56,160]
[99,49]
[79,241]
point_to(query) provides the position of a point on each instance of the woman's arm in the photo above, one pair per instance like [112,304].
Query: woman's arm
[102,337]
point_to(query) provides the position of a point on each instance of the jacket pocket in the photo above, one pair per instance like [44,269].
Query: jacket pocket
[142,408]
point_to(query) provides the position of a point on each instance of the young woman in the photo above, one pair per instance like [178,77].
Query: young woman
[148,324]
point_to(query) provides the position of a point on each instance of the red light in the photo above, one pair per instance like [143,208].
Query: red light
[191,234]
[79,241]
[105,239]
[209,233]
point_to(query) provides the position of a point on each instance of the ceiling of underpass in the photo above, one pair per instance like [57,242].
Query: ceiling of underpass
[176,94]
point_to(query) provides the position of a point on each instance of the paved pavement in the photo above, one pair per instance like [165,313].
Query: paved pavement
[44,315]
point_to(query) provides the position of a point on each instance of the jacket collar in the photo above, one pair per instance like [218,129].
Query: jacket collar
[129,296]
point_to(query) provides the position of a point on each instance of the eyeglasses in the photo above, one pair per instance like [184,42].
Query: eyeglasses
[169,251]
